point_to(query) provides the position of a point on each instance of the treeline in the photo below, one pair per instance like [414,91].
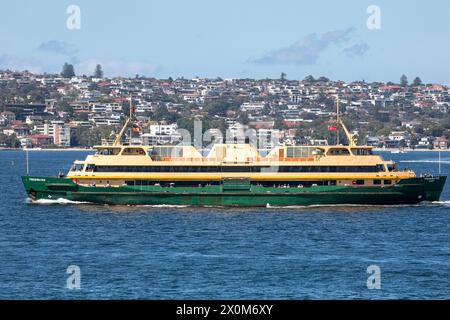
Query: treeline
[10,141]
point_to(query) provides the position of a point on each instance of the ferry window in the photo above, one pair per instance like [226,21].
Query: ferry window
[392,167]
[339,152]
[90,168]
[77,167]
[108,151]
[133,152]
[358,182]
[318,151]
[160,153]
[298,152]
[387,181]
[362,152]
[377,182]
[380,168]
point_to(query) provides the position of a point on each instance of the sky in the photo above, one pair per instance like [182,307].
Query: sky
[231,38]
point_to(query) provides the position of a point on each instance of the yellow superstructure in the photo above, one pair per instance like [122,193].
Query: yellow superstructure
[270,167]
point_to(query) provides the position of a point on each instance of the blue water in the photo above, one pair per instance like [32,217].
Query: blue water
[219,253]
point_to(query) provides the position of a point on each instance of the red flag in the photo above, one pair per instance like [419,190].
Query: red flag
[332,128]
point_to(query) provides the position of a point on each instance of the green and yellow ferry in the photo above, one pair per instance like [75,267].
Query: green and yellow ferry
[236,175]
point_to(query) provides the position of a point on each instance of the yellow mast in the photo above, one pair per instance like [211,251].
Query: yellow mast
[351,137]
[337,120]
[122,131]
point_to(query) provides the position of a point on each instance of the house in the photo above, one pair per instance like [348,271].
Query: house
[269,138]
[399,136]
[318,142]
[440,143]
[40,140]
[8,116]
[167,129]
[252,106]
[425,143]
[58,130]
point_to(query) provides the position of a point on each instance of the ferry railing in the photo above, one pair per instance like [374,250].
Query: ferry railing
[246,160]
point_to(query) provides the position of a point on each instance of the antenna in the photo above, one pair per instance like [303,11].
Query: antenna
[439,160]
[351,137]
[337,120]
[122,131]
[28,169]
[131,113]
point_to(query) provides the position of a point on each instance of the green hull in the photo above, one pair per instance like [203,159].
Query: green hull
[408,191]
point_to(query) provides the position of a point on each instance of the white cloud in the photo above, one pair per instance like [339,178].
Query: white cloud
[308,49]
[59,47]
[356,50]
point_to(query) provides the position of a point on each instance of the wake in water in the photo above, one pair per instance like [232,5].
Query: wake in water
[161,206]
[426,161]
[442,203]
[55,201]
[445,203]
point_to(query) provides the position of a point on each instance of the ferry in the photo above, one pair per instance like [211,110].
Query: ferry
[236,175]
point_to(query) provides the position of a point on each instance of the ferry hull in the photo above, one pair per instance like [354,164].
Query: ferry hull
[407,191]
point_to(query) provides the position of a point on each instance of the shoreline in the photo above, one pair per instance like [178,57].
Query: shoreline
[394,150]
[51,149]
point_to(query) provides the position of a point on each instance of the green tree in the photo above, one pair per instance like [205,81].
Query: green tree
[98,73]
[404,81]
[310,78]
[88,137]
[283,76]
[243,118]
[436,131]
[219,107]
[10,141]
[417,81]
[68,71]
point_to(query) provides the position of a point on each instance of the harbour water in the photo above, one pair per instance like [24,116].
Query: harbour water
[148,252]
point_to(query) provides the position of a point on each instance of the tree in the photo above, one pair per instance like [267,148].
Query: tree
[68,71]
[98,73]
[417,81]
[219,107]
[404,81]
[323,79]
[283,76]
[9,141]
[310,78]
[243,118]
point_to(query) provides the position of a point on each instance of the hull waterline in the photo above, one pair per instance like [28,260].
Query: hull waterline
[408,191]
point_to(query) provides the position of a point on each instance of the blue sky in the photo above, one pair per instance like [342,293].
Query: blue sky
[246,38]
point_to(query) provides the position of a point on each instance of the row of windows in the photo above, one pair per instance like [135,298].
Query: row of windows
[278,184]
[275,184]
[233,169]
